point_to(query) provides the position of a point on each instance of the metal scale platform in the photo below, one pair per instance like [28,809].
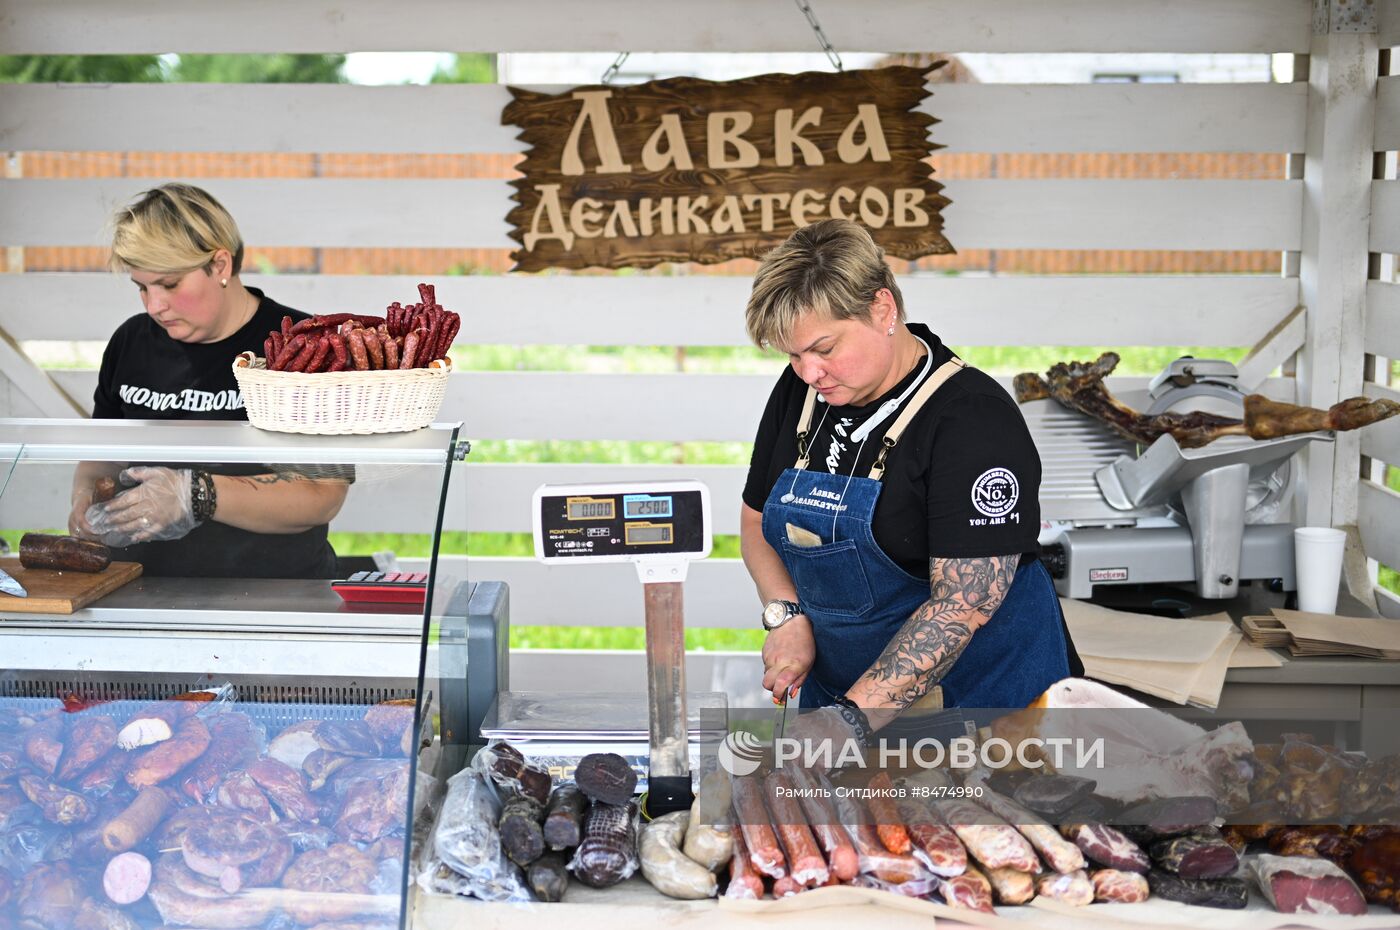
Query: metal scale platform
[660,527]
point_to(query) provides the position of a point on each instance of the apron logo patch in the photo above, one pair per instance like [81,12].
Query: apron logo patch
[995,492]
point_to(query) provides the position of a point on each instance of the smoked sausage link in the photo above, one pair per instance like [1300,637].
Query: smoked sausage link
[63,553]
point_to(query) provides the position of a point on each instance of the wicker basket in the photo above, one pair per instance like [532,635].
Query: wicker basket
[343,402]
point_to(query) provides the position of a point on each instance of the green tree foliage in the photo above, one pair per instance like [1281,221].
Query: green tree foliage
[468,68]
[80,69]
[259,69]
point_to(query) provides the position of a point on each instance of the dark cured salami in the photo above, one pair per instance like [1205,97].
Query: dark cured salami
[606,776]
[62,553]
[608,852]
[1228,893]
[563,819]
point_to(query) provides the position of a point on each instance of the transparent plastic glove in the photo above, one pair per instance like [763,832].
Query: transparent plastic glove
[156,507]
[828,734]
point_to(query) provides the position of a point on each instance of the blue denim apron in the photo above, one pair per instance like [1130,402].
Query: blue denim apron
[858,598]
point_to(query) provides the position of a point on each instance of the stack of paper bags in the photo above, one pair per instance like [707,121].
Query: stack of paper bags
[1266,631]
[1183,661]
[1331,635]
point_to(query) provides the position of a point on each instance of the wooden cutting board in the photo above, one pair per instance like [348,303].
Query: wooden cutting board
[52,592]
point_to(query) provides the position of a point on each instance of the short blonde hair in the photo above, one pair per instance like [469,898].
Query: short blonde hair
[174,227]
[832,267]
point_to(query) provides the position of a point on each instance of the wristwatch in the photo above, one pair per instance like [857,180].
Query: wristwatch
[778,611]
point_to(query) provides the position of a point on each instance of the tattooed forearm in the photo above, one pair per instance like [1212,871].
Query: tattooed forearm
[964,593]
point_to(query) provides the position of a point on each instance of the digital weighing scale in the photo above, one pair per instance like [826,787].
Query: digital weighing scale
[661,527]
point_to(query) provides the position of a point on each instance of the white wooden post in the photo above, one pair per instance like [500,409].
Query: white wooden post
[1336,230]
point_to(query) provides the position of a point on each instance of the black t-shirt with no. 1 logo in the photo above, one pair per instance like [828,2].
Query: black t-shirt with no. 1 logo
[964,481]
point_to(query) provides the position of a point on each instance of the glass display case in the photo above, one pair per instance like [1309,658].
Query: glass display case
[206,732]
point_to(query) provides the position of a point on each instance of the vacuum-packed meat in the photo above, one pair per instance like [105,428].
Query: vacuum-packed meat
[1073,888]
[563,818]
[1119,887]
[1011,886]
[759,838]
[1107,846]
[90,738]
[934,843]
[1295,885]
[969,890]
[548,877]
[164,760]
[1196,857]
[1229,893]
[744,881]
[58,804]
[990,840]
[804,859]
[608,852]
[1053,795]
[711,844]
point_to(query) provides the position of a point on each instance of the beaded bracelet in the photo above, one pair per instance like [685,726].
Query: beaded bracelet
[853,715]
[204,498]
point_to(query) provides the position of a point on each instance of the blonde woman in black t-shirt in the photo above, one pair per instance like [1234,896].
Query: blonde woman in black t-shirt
[183,252]
[890,516]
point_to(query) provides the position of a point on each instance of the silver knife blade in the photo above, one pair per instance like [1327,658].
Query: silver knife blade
[8,585]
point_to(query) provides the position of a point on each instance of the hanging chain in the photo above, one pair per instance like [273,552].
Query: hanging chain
[613,68]
[831,53]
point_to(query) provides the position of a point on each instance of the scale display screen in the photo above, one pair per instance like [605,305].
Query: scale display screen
[622,522]
[591,508]
[636,506]
[648,534]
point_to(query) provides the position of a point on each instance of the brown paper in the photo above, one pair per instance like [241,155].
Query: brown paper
[1328,634]
[1118,634]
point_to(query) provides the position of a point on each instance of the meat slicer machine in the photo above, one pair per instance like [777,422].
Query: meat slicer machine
[1209,518]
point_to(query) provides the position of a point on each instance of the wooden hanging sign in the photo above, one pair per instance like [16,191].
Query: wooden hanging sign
[704,171]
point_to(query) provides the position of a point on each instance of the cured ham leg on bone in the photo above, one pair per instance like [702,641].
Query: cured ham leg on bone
[1079,386]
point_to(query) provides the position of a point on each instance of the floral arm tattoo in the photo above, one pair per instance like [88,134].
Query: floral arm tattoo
[964,594]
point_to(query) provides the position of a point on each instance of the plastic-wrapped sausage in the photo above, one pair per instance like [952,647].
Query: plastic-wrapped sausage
[137,821]
[875,859]
[608,851]
[753,822]
[127,878]
[744,882]
[1060,854]
[563,818]
[841,858]
[885,812]
[668,869]
[62,553]
[521,836]
[805,862]
[164,760]
[548,877]
[711,844]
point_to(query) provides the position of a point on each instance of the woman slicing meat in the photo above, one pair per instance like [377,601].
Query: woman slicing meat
[890,514]
[184,253]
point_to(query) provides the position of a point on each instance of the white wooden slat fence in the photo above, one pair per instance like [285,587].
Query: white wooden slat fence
[1285,215]
[158,26]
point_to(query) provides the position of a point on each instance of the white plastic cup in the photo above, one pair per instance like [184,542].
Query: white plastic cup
[1317,552]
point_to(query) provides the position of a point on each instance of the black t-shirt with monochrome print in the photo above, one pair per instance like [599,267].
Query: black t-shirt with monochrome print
[146,375]
[964,481]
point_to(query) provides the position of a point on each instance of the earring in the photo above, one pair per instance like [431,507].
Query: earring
[890,332]
[223,282]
